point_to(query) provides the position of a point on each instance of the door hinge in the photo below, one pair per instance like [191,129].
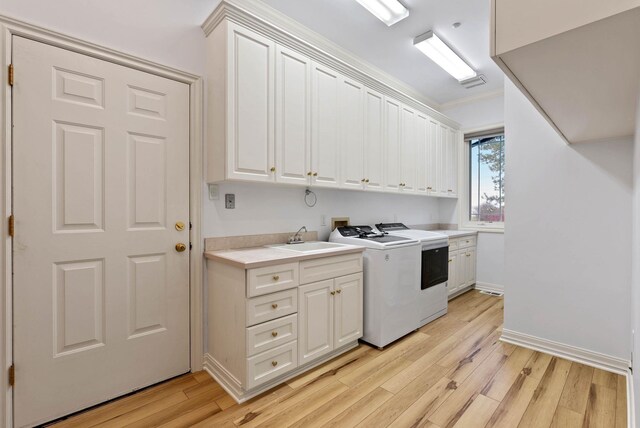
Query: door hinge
[10,75]
[190,246]
[12,375]
[11,226]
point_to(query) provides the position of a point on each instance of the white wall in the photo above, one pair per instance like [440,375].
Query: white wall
[487,111]
[263,208]
[635,272]
[568,235]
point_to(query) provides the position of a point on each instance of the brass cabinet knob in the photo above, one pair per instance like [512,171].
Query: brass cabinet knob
[450,260]
[366,181]
[449,190]
[273,169]
[468,255]
[333,293]
[274,306]
[274,333]
[338,291]
[180,247]
[309,173]
[362,181]
[429,188]
[179,226]
[276,277]
[274,363]
[315,174]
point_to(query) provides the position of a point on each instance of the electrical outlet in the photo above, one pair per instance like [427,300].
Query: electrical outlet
[214,192]
[229,201]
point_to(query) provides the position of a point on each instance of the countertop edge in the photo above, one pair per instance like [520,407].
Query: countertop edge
[281,258]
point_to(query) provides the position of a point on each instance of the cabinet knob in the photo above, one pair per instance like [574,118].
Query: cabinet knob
[333,293]
[362,181]
[274,305]
[315,174]
[274,363]
[276,277]
[450,260]
[309,173]
[429,188]
[273,169]
[366,181]
[338,291]
[449,190]
[468,255]
[274,333]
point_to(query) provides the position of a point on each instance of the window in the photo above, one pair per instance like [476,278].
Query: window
[484,204]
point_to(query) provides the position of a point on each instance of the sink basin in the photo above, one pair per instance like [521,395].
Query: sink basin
[308,247]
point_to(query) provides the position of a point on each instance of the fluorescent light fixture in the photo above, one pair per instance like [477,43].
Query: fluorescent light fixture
[387,11]
[431,45]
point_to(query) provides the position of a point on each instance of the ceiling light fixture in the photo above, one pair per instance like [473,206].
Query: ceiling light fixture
[431,45]
[387,11]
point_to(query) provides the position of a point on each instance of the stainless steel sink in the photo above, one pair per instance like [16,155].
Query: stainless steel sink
[308,247]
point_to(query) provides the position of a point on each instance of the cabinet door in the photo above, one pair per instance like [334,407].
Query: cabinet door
[250,133]
[325,124]
[432,157]
[422,145]
[443,179]
[452,283]
[293,117]
[452,162]
[392,144]
[315,320]
[352,133]
[348,309]
[461,270]
[408,150]
[373,140]
[471,266]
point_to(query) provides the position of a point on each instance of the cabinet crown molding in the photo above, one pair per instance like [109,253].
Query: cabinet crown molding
[287,32]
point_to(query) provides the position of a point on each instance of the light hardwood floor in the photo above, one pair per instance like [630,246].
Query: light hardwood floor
[454,372]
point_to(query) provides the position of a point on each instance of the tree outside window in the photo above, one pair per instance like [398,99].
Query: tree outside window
[486,196]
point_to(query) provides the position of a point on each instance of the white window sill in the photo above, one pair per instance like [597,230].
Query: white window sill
[483,229]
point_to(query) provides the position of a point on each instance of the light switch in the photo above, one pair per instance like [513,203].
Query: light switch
[214,192]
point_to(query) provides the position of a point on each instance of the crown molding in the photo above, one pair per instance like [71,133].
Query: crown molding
[472,99]
[265,20]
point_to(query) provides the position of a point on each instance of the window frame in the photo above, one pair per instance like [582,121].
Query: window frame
[465,196]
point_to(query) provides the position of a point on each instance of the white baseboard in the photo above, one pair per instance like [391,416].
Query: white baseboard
[580,355]
[486,286]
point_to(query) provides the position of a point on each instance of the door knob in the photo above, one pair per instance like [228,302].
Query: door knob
[180,247]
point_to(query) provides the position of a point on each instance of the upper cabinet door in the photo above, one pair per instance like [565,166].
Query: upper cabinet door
[348,309]
[392,144]
[432,157]
[250,133]
[408,150]
[352,133]
[452,162]
[441,157]
[325,126]
[422,146]
[373,140]
[293,117]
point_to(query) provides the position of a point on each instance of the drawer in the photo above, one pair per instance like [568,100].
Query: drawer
[329,267]
[272,306]
[268,335]
[467,241]
[270,279]
[454,244]
[271,364]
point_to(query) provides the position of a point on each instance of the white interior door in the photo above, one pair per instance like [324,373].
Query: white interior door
[100,174]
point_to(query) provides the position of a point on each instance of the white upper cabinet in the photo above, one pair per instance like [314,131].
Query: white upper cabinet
[352,133]
[441,157]
[452,162]
[408,159]
[325,126]
[373,140]
[293,117]
[250,140]
[432,164]
[422,147]
[392,124]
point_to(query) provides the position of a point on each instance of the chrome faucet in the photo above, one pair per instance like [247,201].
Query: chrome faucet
[296,238]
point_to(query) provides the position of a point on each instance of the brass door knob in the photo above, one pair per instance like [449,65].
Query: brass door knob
[179,226]
[180,247]
[274,333]
[274,306]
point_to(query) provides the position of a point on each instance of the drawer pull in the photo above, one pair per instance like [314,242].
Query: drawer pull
[274,333]
[274,305]
[276,277]
[274,363]
[338,291]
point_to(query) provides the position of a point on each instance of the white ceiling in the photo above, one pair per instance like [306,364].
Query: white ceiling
[349,25]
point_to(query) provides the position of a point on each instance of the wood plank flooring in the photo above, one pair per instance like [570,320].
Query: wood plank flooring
[454,372]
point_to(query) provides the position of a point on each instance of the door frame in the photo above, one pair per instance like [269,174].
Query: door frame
[10,27]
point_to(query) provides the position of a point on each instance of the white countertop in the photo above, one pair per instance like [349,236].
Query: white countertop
[248,258]
[456,233]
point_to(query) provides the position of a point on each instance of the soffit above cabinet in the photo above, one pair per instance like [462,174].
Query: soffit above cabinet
[262,18]
[585,81]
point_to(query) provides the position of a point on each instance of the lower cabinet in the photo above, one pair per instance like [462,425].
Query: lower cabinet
[462,264]
[330,315]
[267,323]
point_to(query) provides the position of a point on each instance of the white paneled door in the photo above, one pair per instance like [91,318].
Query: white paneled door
[101,200]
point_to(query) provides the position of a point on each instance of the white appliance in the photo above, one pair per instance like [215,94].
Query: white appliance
[434,268]
[391,278]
